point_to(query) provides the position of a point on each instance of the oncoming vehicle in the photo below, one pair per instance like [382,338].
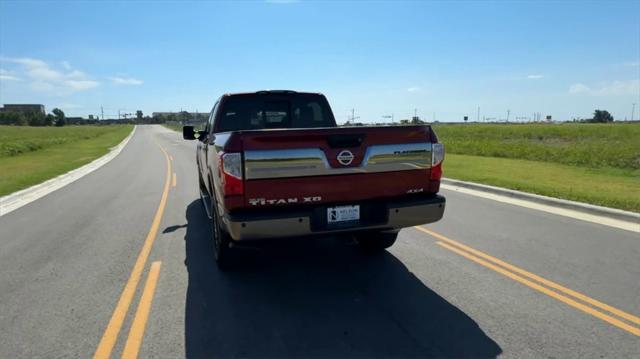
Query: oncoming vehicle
[275,164]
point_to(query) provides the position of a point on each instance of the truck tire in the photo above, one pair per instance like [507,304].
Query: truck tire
[376,241]
[221,241]
[203,193]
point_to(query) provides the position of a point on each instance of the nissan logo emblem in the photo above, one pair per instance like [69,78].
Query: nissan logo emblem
[345,157]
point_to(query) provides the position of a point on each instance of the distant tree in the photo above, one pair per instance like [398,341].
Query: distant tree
[170,117]
[60,118]
[602,116]
[139,115]
[415,120]
[36,119]
[12,118]
[184,116]
[49,120]
[404,122]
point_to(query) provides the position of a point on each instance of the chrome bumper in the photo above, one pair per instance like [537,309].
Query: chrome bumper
[400,214]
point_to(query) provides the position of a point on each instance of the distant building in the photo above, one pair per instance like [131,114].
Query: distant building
[163,114]
[23,108]
[179,114]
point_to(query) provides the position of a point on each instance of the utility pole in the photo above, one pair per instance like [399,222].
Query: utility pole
[508,112]
[102,111]
[633,111]
[478,118]
[353,115]
[118,114]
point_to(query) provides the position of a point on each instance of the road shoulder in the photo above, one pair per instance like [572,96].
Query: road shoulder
[23,197]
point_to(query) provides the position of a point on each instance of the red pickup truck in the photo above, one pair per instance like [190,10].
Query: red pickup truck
[275,164]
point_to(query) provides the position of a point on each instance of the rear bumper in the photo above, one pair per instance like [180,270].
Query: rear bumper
[391,215]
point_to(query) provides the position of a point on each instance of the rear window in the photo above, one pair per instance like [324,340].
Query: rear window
[261,111]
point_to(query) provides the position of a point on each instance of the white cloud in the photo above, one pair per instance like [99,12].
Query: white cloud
[535,77]
[42,86]
[579,88]
[28,62]
[615,88]
[8,76]
[46,78]
[45,74]
[81,85]
[413,89]
[119,80]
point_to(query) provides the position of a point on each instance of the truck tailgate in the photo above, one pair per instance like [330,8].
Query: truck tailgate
[333,165]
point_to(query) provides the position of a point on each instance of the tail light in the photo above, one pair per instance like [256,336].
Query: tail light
[230,166]
[437,156]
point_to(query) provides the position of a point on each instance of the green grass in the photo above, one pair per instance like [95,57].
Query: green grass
[592,163]
[587,145]
[610,187]
[173,126]
[31,155]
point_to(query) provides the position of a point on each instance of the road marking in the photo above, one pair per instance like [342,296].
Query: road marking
[618,323]
[610,222]
[136,333]
[474,255]
[548,283]
[117,318]
[173,183]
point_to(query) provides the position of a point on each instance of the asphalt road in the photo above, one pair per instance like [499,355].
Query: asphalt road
[489,279]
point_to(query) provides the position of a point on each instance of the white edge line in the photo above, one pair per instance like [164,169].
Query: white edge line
[15,200]
[629,226]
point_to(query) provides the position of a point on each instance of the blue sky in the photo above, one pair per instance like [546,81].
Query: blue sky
[563,59]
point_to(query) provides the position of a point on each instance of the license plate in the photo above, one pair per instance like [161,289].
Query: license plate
[343,214]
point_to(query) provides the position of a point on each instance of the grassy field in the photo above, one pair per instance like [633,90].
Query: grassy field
[173,126]
[610,187]
[592,163]
[589,145]
[31,155]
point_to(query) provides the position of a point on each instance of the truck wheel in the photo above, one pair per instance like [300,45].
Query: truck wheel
[376,241]
[221,240]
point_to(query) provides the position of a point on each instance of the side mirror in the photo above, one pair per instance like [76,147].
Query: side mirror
[202,135]
[188,133]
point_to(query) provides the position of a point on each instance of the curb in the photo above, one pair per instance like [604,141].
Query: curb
[15,200]
[556,202]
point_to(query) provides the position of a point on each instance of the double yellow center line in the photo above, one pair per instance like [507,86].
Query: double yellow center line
[568,296]
[110,336]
